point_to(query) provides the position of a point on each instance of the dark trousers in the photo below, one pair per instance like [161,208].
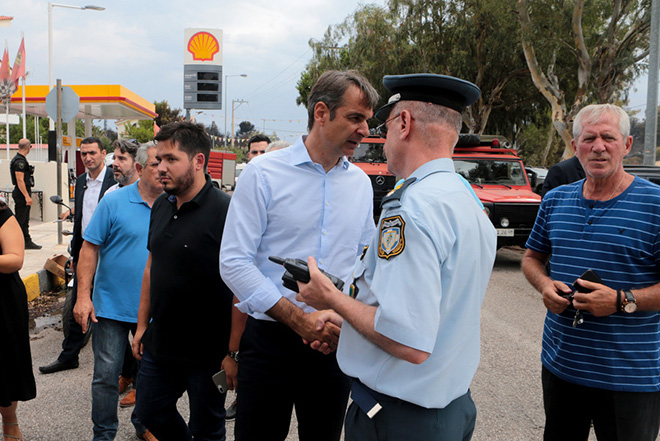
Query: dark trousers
[160,385]
[277,371]
[570,409]
[72,343]
[22,213]
[129,367]
[400,420]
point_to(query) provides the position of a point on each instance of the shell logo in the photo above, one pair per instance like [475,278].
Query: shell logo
[203,46]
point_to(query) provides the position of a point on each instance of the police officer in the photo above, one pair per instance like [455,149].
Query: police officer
[410,336]
[22,176]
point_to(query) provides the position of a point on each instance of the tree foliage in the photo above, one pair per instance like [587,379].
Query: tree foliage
[583,52]
[586,51]
[143,131]
[453,37]
[166,114]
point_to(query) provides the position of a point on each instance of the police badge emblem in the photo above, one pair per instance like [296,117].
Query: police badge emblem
[392,240]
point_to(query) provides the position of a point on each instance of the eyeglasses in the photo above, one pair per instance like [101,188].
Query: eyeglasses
[381,130]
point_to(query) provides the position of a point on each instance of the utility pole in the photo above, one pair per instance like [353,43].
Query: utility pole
[232,118]
[650,132]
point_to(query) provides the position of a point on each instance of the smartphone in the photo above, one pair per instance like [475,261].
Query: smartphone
[220,381]
[590,276]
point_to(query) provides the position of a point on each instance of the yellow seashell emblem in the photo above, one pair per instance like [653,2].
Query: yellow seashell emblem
[203,46]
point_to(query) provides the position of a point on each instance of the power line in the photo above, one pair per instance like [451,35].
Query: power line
[251,96]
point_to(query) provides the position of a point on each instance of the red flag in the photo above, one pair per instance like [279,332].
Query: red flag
[19,65]
[4,68]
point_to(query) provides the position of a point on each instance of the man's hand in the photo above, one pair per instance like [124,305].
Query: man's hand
[28,200]
[552,298]
[65,214]
[601,301]
[138,348]
[231,369]
[83,311]
[319,291]
[326,334]
[333,321]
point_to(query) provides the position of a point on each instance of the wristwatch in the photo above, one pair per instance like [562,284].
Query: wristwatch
[628,304]
[233,355]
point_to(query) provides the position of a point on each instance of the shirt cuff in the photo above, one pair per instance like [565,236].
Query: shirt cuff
[262,299]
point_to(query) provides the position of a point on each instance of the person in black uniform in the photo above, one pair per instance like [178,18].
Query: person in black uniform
[22,176]
[90,188]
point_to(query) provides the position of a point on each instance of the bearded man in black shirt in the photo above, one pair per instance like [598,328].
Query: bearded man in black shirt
[184,317]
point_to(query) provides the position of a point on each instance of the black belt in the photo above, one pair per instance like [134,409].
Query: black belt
[366,398]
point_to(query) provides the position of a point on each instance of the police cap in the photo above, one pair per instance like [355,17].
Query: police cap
[443,90]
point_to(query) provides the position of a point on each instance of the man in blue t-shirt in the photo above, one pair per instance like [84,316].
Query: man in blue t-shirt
[115,248]
[600,350]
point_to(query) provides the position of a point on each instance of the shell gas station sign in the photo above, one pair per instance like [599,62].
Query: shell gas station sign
[202,69]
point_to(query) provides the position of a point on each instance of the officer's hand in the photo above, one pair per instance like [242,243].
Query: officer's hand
[310,331]
[318,292]
[331,321]
[552,298]
[28,200]
[601,301]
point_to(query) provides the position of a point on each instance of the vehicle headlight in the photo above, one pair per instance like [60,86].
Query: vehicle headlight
[504,222]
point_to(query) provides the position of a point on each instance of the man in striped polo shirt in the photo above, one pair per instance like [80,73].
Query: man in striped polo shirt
[602,368]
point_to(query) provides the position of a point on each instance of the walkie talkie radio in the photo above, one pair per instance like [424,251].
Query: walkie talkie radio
[297,270]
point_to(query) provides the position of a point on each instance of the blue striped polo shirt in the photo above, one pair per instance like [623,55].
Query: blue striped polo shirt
[620,240]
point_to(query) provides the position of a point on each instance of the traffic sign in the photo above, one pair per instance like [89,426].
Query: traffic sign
[70,104]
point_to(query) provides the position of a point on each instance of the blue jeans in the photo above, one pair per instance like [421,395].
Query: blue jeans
[109,342]
[161,386]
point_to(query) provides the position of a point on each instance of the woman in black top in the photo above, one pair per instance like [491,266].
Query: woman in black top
[16,378]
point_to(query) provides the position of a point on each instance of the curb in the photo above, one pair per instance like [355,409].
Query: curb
[41,281]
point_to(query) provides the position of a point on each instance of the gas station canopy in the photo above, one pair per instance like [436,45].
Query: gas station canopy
[112,102]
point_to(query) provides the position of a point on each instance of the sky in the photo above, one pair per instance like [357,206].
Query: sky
[139,44]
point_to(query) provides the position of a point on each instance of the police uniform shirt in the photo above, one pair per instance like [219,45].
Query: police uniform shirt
[426,270]
[20,164]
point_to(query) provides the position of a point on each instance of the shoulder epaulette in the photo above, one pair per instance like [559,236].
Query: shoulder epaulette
[397,191]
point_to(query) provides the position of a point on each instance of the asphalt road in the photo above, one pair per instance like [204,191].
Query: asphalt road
[506,389]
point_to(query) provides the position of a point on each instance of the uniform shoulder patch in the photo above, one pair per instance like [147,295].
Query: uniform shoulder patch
[20,165]
[391,241]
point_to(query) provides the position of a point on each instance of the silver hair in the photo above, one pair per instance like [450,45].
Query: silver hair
[142,155]
[593,113]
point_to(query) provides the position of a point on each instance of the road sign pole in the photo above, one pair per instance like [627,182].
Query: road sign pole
[59,157]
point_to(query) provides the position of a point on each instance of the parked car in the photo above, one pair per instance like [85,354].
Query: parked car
[649,172]
[536,177]
[499,179]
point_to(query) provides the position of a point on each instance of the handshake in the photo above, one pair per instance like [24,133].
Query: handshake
[321,328]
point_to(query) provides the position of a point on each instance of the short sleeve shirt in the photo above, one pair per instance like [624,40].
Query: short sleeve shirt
[190,304]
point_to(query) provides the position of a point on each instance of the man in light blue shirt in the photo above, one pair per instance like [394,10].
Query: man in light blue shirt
[410,336]
[115,249]
[301,201]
